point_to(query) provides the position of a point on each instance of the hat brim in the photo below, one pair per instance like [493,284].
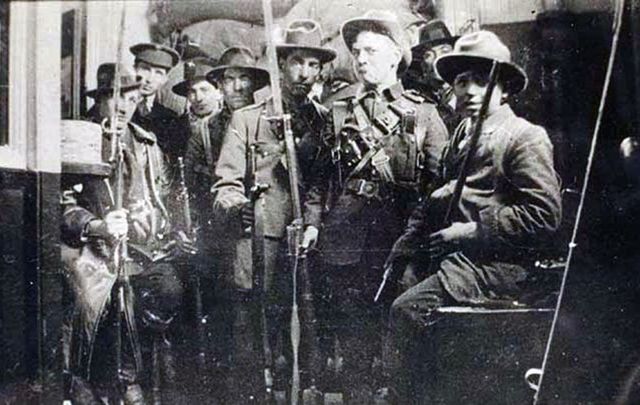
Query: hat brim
[95,93]
[260,76]
[182,88]
[324,54]
[423,46]
[351,28]
[449,66]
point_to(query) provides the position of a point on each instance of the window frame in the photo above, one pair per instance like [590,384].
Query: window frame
[13,155]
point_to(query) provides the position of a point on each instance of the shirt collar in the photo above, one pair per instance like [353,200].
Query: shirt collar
[149,100]
[390,93]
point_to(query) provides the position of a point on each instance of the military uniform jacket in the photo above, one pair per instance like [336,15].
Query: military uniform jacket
[91,278]
[250,126]
[365,206]
[165,124]
[512,192]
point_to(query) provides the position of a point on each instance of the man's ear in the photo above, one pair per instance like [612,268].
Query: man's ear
[397,54]
[281,63]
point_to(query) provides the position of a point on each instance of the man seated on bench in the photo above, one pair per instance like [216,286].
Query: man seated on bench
[510,204]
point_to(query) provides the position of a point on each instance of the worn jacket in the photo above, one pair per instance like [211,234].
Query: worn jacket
[200,160]
[512,192]
[165,124]
[351,223]
[250,126]
[145,189]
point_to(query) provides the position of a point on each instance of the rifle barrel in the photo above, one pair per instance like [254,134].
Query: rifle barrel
[473,142]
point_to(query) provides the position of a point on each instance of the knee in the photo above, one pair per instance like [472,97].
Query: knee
[403,308]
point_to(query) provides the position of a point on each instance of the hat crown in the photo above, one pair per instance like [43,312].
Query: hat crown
[305,33]
[237,56]
[197,67]
[107,72]
[383,22]
[434,30]
[156,54]
[484,44]
[385,15]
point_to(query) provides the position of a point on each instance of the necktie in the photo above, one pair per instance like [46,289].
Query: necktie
[143,107]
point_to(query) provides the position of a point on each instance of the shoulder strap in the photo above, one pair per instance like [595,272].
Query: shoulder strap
[339,114]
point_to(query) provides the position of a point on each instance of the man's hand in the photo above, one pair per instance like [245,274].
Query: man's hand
[452,238]
[403,247]
[185,244]
[247,215]
[113,226]
[310,237]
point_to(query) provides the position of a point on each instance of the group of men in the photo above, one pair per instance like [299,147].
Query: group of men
[378,165]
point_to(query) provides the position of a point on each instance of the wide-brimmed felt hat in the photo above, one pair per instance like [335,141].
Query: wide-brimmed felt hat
[382,22]
[305,35]
[433,33]
[156,55]
[195,69]
[477,51]
[241,58]
[106,80]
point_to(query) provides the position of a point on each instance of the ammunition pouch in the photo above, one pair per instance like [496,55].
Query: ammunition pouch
[361,142]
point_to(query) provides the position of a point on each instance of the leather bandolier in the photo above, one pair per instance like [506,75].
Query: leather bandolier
[377,155]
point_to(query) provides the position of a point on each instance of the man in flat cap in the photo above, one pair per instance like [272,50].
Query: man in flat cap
[510,205]
[300,58]
[382,150]
[92,223]
[153,63]
[435,41]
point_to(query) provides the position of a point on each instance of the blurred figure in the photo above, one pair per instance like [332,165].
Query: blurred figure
[435,41]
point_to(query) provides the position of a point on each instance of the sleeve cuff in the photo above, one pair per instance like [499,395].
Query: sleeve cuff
[488,226]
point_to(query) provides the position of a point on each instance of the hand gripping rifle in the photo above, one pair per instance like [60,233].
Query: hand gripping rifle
[464,170]
[295,230]
[124,307]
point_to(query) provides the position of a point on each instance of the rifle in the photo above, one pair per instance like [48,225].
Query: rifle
[464,170]
[257,263]
[297,256]
[183,197]
[120,255]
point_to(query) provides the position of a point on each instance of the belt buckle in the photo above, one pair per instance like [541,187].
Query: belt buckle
[366,188]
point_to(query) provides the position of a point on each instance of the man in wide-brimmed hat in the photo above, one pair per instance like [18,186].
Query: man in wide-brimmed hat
[300,58]
[232,81]
[510,205]
[204,97]
[152,62]
[91,223]
[435,40]
[382,150]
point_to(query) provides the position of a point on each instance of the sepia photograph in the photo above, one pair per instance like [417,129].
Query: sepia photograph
[320,202]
